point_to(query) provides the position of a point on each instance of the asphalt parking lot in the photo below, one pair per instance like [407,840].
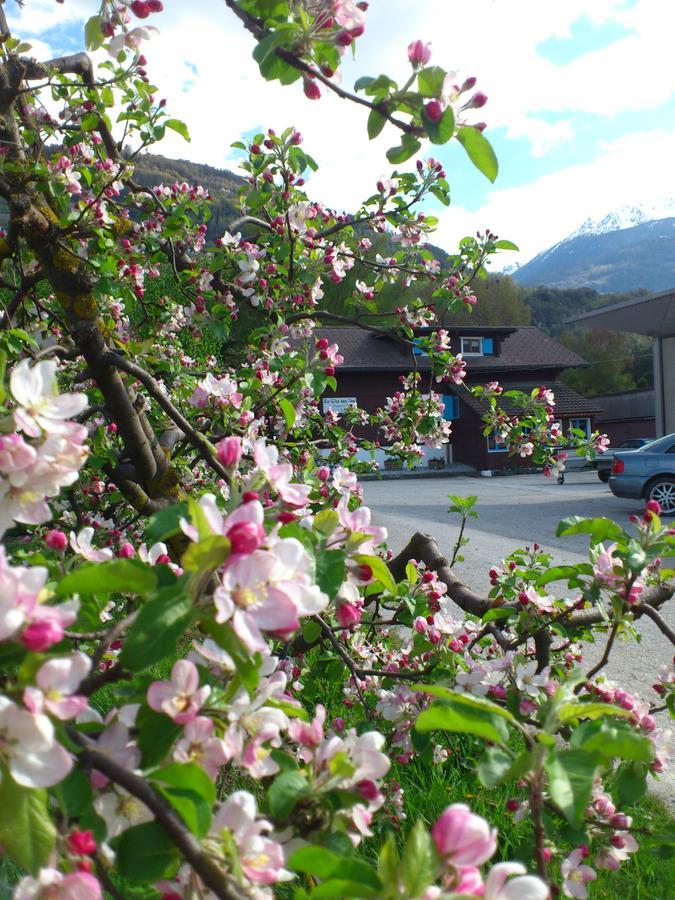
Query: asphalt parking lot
[516,511]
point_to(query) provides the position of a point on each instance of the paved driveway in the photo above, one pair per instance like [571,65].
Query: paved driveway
[513,512]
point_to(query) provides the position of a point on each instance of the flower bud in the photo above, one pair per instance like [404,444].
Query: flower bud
[41,635]
[81,843]
[311,89]
[367,789]
[338,724]
[126,551]
[56,540]
[229,451]
[434,110]
[348,614]
[419,53]
[140,9]
[323,473]
[245,537]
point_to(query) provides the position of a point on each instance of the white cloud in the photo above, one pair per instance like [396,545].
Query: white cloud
[202,63]
[631,170]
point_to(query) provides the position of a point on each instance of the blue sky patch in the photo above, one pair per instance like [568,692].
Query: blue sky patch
[586,36]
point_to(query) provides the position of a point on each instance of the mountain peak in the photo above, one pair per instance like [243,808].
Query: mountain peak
[626,216]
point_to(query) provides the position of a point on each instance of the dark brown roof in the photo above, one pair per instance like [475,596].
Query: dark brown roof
[567,401]
[528,348]
[525,349]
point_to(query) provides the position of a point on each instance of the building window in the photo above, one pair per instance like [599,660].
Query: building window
[472,346]
[488,347]
[496,444]
[451,410]
[583,424]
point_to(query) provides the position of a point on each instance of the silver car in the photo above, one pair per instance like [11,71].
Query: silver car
[603,461]
[647,473]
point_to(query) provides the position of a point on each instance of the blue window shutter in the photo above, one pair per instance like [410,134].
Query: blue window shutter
[488,346]
[451,410]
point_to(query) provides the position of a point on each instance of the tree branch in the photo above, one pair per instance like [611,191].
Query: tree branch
[221,883]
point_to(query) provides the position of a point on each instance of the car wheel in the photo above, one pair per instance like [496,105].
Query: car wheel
[603,475]
[662,489]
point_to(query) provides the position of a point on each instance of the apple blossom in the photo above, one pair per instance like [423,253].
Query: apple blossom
[57,681]
[463,838]
[81,543]
[120,810]
[522,887]
[51,884]
[576,875]
[41,407]
[29,749]
[419,53]
[181,698]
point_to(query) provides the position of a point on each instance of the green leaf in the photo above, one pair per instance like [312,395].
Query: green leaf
[497,766]
[284,792]
[600,529]
[165,523]
[443,693]
[146,853]
[177,126]
[571,774]
[189,776]
[506,245]
[479,151]
[160,624]
[75,793]
[27,833]
[564,573]
[573,712]
[362,83]
[498,612]
[462,718]
[89,122]
[376,122]
[325,522]
[380,571]
[330,571]
[129,576]
[157,734]
[93,34]
[206,555]
[387,865]
[408,147]
[311,631]
[631,783]
[191,807]
[439,132]
[288,411]
[313,860]
[611,739]
[419,862]
[430,81]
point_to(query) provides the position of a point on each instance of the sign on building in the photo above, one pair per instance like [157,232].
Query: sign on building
[338,405]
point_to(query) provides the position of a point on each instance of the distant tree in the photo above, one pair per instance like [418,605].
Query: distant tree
[500,302]
[611,362]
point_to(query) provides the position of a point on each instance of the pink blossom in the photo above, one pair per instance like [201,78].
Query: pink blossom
[348,615]
[470,881]
[181,698]
[41,407]
[523,887]
[56,540]
[116,744]
[121,810]
[261,859]
[419,53]
[280,475]
[57,681]
[81,544]
[576,875]
[463,838]
[309,735]
[51,884]
[268,590]
[29,748]
[200,745]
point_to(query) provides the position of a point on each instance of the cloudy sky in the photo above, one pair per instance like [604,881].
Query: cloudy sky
[581,104]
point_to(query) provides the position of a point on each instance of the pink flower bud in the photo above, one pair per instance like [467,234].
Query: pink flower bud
[323,473]
[419,53]
[311,89]
[41,635]
[348,614]
[56,540]
[245,537]
[477,101]
[620,820]
[343,38]
[338,724]
[81,843]
[367,789]
[126,551]
[420,625]
[140,9]
[434,110]
[463,838]
[229,451]
[654,507]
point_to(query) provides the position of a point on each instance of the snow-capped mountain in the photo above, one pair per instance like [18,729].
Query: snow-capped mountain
[629,248]
[626,216]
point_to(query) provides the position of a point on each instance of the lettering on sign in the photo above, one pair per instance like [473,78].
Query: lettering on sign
[338,404]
